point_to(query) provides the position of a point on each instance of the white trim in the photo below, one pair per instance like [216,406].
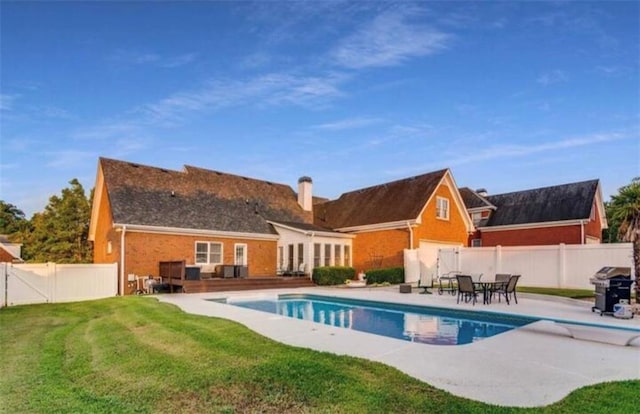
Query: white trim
[245,255]
[481,209]
[447,211]
[312,232]
[97,199]
[378,226]
[598,201]
[532,225]
[138,228]
[208,243]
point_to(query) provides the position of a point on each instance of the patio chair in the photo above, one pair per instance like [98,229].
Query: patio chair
[500,278]
[425,283]
[466,289]
[300,271]
[508,290]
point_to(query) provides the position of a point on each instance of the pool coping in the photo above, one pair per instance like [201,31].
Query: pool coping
[538,365]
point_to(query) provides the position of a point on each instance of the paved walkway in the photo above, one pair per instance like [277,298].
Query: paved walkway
[530,366]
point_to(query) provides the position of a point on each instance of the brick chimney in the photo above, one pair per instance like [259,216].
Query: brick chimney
[304,193]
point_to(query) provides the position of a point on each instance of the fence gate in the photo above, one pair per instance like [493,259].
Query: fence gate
[29,283]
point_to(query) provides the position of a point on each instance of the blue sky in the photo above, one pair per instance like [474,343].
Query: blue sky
[509,95]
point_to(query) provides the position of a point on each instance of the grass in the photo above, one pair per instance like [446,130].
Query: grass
[567,293]
[135,355]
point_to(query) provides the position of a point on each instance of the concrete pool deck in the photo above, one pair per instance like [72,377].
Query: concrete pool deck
[535,365]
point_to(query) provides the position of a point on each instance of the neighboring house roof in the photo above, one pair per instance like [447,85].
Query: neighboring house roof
[196,198]
[13,249]
[385,203]
[549,204]
[474,201]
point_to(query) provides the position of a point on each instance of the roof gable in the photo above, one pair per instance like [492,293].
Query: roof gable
[385,203]
[549,204]
[196,198]
[473,200]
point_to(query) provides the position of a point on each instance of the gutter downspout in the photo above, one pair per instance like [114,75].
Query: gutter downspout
[124,230]
[582,232]
[410,236]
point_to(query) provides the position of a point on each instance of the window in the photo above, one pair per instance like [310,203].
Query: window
[240,254]
[476,243]
[442,208]
[347,255]
[208,253]
[316,254]
[290,258]
[280,257]
[300,254]
[337,257]
[476,217]
[327,255]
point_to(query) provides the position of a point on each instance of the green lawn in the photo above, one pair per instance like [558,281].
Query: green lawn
[136,355]
[567,293]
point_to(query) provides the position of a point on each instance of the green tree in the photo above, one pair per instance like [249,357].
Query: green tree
[12,219]
[610,234]
[60,233]
[625,210]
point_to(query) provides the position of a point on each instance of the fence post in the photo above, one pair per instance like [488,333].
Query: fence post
[5,280]
[498,263]
[562,265]
[51,281]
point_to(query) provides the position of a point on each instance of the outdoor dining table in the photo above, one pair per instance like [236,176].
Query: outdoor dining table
[488,287]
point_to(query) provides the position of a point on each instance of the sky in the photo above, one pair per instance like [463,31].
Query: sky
[508,95]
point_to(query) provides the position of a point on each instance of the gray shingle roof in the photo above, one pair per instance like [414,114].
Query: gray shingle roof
[473,200]
[384,203]
[197,198]
[557,203]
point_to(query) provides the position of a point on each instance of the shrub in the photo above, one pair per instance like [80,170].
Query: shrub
[336,275]
[391,275]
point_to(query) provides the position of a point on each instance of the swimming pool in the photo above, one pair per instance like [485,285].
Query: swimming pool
[429,325]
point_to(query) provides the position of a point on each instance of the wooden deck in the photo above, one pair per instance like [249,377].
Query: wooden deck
[228,284]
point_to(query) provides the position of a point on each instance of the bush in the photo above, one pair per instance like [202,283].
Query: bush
[326,276]
[391,275]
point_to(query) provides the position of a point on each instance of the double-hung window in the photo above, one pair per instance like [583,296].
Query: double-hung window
[208,253]
[442,208]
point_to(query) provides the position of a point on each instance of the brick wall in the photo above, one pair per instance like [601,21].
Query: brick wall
[386,243]
[594,227]
[532,237]
[144,251]
[434,229]
[5,256]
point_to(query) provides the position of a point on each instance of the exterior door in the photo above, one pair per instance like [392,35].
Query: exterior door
[240,258]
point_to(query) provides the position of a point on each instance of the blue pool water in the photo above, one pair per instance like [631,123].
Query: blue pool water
[422,324]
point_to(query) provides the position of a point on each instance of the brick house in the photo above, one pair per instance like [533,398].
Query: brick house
[424,212]
[142,215]
[569,213]
[9,252]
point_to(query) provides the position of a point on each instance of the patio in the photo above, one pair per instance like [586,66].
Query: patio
[535,365]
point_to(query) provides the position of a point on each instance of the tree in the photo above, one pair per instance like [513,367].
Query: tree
[625,210]
[60,233]
[12,218]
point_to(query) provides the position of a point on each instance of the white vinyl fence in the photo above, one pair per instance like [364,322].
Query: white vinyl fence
[28,283]
[558,266]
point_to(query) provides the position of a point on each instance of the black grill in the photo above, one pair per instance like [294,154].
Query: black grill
[612,285]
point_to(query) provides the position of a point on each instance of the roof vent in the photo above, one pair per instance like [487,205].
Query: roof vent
[173,193]
[482,192]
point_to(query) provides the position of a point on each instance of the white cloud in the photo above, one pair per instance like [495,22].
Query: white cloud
[6,101]
[552,77]
[390,39]
[270,89]
[70,158]
[130,57]
[509,152]
[349,123]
